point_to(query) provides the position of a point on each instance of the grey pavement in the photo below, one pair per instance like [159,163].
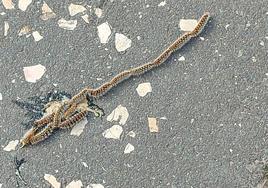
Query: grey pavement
[215,102]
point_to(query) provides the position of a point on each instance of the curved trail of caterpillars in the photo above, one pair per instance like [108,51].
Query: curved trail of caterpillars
[68,107]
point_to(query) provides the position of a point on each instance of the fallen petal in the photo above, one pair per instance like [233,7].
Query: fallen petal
[114,132]
[85,18]
[85,164]
[144,88]
[98,12]
[52,180]
[93,185]
[6,28]
[11,145]
[34,73]
[104,32]
[182,58]
[129,148]
[75,184]
[67,24]
[119,113]
[47,12]
[75,9]
[187,24]
[79,127]
[1,96]
[8,4]
[23,4]
[122,42]
[25,30]
[153,125]
[163,3]
[37,36]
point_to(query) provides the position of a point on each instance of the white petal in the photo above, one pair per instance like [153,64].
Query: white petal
[47,12]
[85,18]
[104,32]
[75,9]
[122,42]
[129,148]
[93,185]
[187,24]
[23,4]
[52,180]
[8,4]
[182,58]
[34,73]
[119,113]
[37,36]
[163,3]
[79,127]
[144,88]
[6,28]
[67,24]
[85,164]
[1,96]
[153,125]
[75,184]
[98,12]
[11,145]
[114,132]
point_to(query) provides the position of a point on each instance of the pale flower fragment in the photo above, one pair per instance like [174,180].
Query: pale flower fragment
[85,18]
[187,24]
[84,164]
[104,32]
[67,24]
[34,73]
[1,96]
[1,185]
[163,3]
[122,42]
[23,4]
[144,88]
[153,127]
[79,128]
[75,184]
[25,30]
[47,12]
[182,58]
[11,145]
[98,12]
[121,113]
[8,4]
[6,28]
[52,180]
[129,148]
[76,9]
[114,132]
[95,185]
[36,35]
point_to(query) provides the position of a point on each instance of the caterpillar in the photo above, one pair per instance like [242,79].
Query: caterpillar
[70,122]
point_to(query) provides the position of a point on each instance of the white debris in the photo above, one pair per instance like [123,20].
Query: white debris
[47,12]
[23,4]
[1,185]
[262,43]
[226,27]
[11,145]
[98,12]
[122,42]
[202,38]
[164,118]
[104,32]
[129,148]
[8,4]
[36,35]
[76,9]
[153,125]
[131,134]
[114,132]
[254,59]
[25,30]
[119,113]
[85,164]
[75,184]
[182,58]
[163,3]
[187,24]
[67,24]
[2,13]
[79,127]
[52,180]
[6,28]
[93,185]
[144,88]
[85,18]
[34,73]
[240,53]
[1,96]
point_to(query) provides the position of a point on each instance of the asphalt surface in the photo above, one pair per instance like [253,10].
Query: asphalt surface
[215,101]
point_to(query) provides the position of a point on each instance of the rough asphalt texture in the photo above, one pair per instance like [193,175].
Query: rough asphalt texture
[215,101]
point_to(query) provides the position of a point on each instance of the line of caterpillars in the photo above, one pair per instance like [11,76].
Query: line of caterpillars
[64,115]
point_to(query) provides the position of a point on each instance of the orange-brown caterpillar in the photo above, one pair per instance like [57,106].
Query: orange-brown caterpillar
[70,122]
